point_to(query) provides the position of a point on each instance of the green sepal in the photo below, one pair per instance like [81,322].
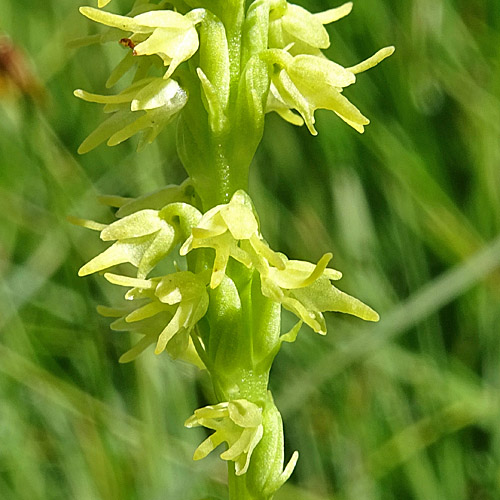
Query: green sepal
[265,324]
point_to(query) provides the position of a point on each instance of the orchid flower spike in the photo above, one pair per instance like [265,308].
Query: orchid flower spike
[238,423]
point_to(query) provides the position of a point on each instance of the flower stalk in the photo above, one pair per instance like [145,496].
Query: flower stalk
[215,68]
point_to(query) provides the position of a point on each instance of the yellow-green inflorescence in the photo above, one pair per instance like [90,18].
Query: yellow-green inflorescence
[216,68]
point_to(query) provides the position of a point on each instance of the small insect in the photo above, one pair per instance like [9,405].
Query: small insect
[127,42]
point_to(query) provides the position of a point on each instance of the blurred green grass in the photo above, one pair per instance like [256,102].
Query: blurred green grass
[406,409]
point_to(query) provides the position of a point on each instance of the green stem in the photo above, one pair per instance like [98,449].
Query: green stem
[227,179]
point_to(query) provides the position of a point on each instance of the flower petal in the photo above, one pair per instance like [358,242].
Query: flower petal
[373,60]
[332,15]
[301,24]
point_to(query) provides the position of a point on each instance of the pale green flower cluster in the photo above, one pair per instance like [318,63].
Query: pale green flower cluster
[301,78]
[179,300]
[238,422]
[149,103]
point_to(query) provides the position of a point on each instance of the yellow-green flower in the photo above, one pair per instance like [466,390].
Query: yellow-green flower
[306,290]
[145,106]
[180,297]
[141,239]
[238,423]
[307,82]
[223,228]
[165,33]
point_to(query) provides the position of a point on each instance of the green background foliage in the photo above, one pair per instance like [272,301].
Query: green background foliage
[405,409]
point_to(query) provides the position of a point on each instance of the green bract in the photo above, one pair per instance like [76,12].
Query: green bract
[228,63]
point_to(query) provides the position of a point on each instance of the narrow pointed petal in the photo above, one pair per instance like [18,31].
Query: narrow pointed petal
[111,312]
[332,15]
[112,200]
[120,70]
[146,311]
[317,72]
[132,354]
[176,323]
[88,224]
[120,280]
[104,99]
[373,60]
[208,446]
[118,253]
[105,130]
[113,20]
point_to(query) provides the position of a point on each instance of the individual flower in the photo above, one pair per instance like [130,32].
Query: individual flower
[145,106]
[141,239]
[303,29]
[173,305]
[141,64]
[307,82]
[168,34]
[223,228]
[306,290]
[238,423]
